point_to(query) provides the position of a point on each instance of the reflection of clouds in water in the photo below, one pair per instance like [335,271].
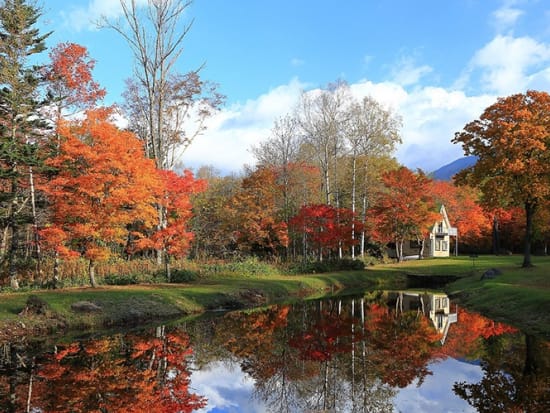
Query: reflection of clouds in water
[229,390]
[226,387]
[436,393]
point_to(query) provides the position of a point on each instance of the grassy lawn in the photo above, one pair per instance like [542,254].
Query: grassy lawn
[519,296]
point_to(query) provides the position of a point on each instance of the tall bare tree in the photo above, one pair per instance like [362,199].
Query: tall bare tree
[321,115]
[371,131]
[161,103]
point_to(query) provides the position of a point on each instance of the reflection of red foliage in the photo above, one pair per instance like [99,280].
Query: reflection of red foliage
[401,344]
[463,337]
[118,375]
[328,335]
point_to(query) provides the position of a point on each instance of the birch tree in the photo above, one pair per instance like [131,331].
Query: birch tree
[321,116]
[371,131]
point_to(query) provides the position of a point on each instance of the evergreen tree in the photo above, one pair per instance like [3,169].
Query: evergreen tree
[19,121]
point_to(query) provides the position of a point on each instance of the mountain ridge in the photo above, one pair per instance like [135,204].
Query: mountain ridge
[446,172]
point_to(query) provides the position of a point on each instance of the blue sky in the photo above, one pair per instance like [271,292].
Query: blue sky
[436,63]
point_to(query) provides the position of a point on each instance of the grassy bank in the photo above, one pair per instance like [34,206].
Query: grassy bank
[520,297]
[134,304]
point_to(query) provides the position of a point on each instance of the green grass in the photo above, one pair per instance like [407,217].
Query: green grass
[123,305]
[520,296]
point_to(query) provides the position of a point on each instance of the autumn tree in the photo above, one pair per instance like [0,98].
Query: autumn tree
[174,238]
[254,218]
[405,209]
[104,184]
[371,131]
[464,209]
[165,108]
[212,235]
[325,229]
[69,81]
[282,152]
[20,119]
[511,140]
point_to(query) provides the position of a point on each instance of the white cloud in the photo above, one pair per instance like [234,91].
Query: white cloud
[507,16]
[436,394]
[509,64]
[431,116]
[233,131]
[407,73]
[81,18]
[226,387]
[296,62]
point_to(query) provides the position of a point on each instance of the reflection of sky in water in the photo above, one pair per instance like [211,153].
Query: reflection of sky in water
[229,390]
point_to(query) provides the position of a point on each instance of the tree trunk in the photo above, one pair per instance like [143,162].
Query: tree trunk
[363,220]
[529,212]
[399,250]
[55,278]
[496,236]
[167,266]
[35,227]
[353,189]
[91,273]
[421,248]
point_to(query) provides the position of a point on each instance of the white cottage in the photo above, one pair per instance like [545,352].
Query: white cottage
[437,244]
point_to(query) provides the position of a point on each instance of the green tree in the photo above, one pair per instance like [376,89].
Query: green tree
[511,140]
[19,120]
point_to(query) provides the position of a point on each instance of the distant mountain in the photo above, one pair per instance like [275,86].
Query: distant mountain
[446,172]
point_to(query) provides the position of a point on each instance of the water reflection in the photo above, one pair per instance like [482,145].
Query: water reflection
[387,351]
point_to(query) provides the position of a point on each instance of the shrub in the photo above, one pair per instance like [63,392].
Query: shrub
[183,276]
[315,267]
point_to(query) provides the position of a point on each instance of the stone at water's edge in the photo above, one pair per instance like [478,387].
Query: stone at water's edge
[490,274]
[85,307]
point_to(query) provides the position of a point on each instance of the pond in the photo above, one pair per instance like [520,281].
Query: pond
[382,352]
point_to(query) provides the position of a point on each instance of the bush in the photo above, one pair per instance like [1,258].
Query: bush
[315,267]
[130,279]
[183,276]
[251,267]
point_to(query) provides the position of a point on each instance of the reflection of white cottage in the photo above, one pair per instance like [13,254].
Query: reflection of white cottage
[435,306]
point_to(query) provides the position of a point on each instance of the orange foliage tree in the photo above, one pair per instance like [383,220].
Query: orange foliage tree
[326,228]
[103,184]
[511,140]
[464,210]
[254,217]
[174,237]
[69,78]
[404,209]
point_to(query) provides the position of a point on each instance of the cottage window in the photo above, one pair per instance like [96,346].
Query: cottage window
[438,245]
[440,227]
[444,246]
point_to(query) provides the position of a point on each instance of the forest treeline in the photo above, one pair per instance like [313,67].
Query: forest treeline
[78,186]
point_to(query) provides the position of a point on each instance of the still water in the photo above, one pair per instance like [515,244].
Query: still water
[382,352]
